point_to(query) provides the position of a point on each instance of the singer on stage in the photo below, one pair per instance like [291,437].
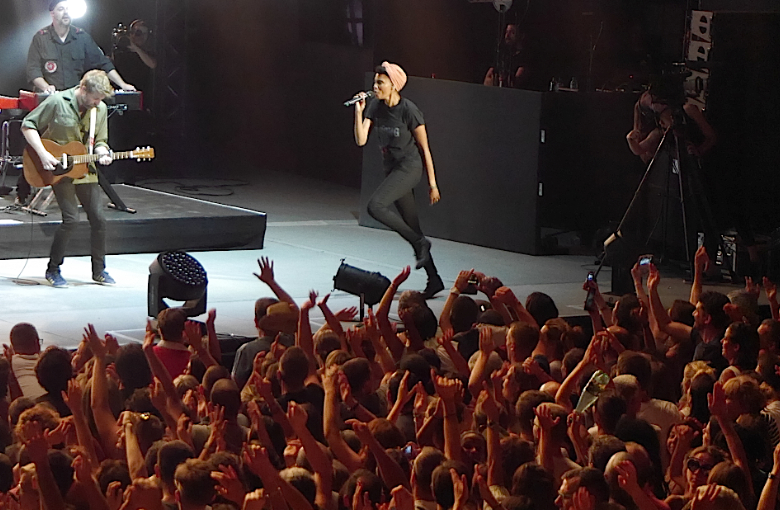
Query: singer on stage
[402,138]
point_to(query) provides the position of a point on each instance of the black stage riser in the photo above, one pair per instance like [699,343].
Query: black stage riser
[163,222]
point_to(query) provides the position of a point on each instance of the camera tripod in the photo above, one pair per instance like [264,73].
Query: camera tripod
[690,187]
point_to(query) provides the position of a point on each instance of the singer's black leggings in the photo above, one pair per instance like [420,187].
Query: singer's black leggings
[398,189]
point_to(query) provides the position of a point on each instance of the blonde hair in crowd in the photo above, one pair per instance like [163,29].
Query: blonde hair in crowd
[97,81]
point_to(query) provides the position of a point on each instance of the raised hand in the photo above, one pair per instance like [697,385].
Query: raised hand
[112,344]
[489,404]
[404,394]
[360,500]
[627,477]
[717,402]
[324,301]
[450,390]
[486,345]
[345,390]
[297,416]
[701,260]
[98,347]
[311,302]
[705,497]
[544,414]
[255,500]
[506,296]
[256,459]
[35,443]
[346,314]
[420,400]
[402,276]
[460,489]
[194,335]
[653,277]
[752,288]
[770,288]
[73,397]
[149,335]
[114,495]
[636,273]
[228,484]
[462,280]
[157,395]
[401,499]
[82,469]
[582,500]
[277,349]
[361,431]
[184,428]
[60,433]
[266,274]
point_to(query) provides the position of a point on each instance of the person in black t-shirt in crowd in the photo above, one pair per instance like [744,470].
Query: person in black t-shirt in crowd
[402,136]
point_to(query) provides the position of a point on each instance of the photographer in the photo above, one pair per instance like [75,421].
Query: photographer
[132,53]
[693,139]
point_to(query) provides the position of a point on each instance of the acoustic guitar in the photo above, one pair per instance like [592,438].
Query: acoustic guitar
[73,162]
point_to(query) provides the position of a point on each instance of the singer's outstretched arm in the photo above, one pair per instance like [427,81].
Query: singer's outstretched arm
[362,126]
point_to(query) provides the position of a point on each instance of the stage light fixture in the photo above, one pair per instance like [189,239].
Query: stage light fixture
[77,8]
[177,276]
[368,286]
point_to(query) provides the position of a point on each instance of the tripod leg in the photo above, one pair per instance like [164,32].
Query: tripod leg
[684,189]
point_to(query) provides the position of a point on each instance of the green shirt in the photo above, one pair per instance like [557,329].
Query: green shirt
[58,119]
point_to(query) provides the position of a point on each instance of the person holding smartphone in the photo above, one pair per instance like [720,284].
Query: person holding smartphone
[403,139]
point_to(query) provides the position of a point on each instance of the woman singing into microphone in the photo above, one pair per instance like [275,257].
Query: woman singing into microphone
[402,138]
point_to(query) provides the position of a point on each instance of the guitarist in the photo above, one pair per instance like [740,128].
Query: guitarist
[66,117]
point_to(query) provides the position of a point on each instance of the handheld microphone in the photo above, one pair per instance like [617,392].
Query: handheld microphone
[364,95]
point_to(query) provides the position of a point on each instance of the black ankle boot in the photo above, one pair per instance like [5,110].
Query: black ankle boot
[422,250]
[434,286]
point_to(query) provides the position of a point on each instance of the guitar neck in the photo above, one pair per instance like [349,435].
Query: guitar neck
[91,158]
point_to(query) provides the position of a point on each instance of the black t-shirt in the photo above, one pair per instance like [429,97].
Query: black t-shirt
[711,352]
[394,127]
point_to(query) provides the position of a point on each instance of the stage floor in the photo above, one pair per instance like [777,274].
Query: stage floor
[311,226]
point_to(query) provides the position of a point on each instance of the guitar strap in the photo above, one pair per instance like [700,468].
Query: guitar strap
[91,139]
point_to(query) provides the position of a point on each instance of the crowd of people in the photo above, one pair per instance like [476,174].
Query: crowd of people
[484,407]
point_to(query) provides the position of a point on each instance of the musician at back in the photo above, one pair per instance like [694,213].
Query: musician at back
[61,53]
[68,116]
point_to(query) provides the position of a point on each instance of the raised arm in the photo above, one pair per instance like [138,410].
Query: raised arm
[461,282]
[700,262]
[769,493]
[266,275]
[331,425]
[256,459]
[771,295]
[506,296]
[305,340]
[392,474]
[195,339]
[677,330]
[73,398]
[392,341]
[211,331]
[37,448]
[105,422]
[449,390]
[718,409]
[479,372]
[333,322]
[323,472]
